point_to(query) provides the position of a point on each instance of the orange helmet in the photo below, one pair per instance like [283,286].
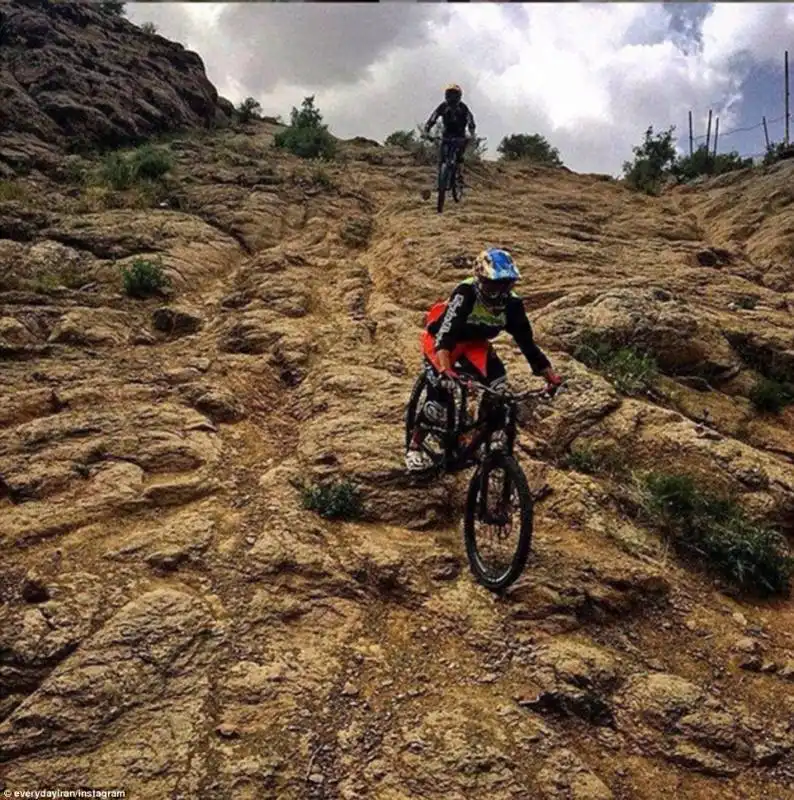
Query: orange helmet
[453,94]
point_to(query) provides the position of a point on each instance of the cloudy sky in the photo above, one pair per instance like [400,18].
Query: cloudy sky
[589,77]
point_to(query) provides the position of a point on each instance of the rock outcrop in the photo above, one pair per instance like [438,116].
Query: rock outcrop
[74,76]
[176,621]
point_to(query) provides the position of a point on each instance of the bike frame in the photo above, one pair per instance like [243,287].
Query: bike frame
[452,144]
[455,459]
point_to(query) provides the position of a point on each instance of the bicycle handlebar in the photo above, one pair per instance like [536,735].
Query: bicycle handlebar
[437,138]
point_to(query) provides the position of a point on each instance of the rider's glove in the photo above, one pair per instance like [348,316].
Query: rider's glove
[553,382]
[448,378]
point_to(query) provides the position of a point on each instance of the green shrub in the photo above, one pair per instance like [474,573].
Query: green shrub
[248,110]
[357,231]
[747,301]
[321,178]
[144,278]
[307,136]
[117,172]
[477,149]
[405,139]
[715,530]
[594,461]
[773,153]
[653,160]
[703,162]
[150,163]
[630,370]
[11,190]
[149,28]
[770,395]
[529,147]
[122,172]
[115,7]
[334,500]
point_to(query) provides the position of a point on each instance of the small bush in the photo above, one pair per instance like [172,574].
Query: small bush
[74,170]
[770,395]
[11,190]
[747,301]
[593,461]
[477,149]
[321,178]
[144,278]
[630,370]
[716,530]
[306,142]
[149,28]
[115,7]
[773,153]
[122,172]
[703,162]
[249,109]
[357,232]
[117,172]
[529,147]
[405,139]
[337,500]
[307,136]
[150,163]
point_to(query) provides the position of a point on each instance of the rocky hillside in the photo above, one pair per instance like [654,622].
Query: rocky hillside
[176,623]
[73,76]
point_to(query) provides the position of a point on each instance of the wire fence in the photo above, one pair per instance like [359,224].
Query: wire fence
[716,136]
[713,138]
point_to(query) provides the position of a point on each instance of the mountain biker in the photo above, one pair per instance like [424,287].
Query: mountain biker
[456,118]
[456,342]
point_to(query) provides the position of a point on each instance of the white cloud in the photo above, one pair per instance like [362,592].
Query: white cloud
[590,77]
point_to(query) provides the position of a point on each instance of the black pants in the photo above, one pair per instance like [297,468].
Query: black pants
[495,376]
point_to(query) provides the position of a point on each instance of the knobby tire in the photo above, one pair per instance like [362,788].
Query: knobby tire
[519,481]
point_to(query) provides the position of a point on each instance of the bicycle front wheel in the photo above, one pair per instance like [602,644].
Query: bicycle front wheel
[443,183]
[498,522]
[457,187]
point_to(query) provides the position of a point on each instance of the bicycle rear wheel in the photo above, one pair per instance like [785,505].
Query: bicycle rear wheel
[413,407]
[492,491]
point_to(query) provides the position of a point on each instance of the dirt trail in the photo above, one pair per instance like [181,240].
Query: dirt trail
[175,623]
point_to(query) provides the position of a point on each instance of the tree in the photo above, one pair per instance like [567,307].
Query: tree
[307,136]
[653,160]
[529,147]
[149,27]
[248,109]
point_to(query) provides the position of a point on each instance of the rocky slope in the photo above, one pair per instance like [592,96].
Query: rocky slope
[175,623]
[74,76]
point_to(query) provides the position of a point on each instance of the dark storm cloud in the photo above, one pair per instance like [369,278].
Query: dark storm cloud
[685,25]
[317,44]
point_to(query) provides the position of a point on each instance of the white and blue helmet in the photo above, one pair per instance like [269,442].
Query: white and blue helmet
[495,273]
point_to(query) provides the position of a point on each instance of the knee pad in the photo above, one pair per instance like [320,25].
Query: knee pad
[435,413]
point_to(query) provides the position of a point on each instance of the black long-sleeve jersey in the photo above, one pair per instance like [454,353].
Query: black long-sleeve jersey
[467,319]
[456,119]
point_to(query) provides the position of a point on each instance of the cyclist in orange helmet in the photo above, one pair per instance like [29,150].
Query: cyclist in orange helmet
[456,117]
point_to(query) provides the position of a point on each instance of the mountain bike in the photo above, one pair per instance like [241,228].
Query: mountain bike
[449,176]
[485,441]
